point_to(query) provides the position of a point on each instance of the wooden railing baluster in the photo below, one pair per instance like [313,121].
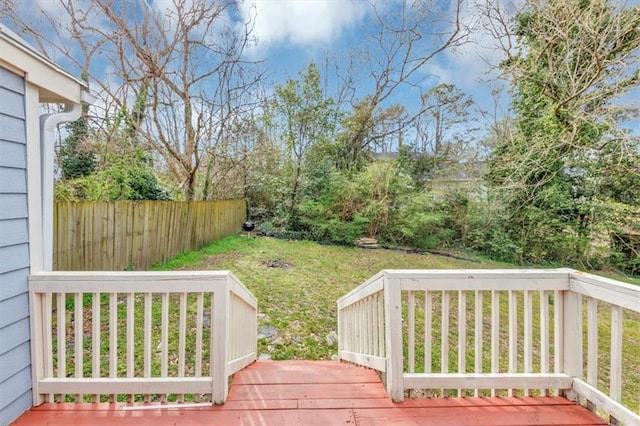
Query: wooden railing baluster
[462,336]
[412,331]
[148,301]
[478,328]
[78,339]
[495,334]
[95,341]
[130,335]
[513,335]
[528,335]
[544,336]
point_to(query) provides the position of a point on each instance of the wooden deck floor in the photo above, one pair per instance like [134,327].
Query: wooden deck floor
[318,393]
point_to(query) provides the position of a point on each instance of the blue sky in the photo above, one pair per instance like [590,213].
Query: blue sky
[291,33]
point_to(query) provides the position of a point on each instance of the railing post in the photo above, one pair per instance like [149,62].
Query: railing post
[572,337]
[340,332]
[219,340]
[393,337]
[37,344]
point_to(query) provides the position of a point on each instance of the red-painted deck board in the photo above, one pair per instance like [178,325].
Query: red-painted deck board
[318,393]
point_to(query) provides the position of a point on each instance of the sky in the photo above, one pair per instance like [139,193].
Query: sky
[291,33]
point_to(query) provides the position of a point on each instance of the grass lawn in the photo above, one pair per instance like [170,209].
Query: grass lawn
[297,284]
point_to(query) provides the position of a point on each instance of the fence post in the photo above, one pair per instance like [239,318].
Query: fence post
[572,337]
[219,339]
[393,337]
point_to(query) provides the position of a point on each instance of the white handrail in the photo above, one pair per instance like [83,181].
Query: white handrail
[141,334]
[522,329]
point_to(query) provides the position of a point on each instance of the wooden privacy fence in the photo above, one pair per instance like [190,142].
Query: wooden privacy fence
[122,235]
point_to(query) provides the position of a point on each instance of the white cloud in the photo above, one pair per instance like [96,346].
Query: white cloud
[476,59]
[302,22]
[436,71]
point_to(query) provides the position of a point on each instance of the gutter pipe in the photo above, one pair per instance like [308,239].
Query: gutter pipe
[48,125]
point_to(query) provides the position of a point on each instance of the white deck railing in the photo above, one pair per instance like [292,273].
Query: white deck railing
[495,332]
[139,336]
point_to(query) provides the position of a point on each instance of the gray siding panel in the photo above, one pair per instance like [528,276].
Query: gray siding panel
[14,283]
[9,102]
[12,155]
[14,387]
[14,257]
[21,404]
[13,231]
[13,310]
[13,181]
[13,206]
[12,129]
[11,81]
[15,356]
[15,334]
[9,388]
[15,360]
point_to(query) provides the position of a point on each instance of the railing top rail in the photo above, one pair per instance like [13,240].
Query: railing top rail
[482,279]
[127,282]
[123,275]
[243,292]
[434,274]
[462,279]
[606,289]
[370,286]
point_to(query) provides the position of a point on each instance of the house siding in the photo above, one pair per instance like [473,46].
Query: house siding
[15,375]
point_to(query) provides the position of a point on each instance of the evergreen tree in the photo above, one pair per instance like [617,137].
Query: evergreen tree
[77,156]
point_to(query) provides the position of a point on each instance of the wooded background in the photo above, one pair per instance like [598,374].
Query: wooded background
[133,235]
[360,141]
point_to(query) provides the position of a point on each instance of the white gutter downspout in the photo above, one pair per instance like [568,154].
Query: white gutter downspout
[48,125]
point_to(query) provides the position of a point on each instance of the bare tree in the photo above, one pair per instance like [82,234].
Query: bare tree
[185,61]
[401,41]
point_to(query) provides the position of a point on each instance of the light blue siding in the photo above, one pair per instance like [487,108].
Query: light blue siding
[11,394]
[13,310]
[13,154]
[14,257]
[10,98]
[14,231]
[13,411]
[11,81]
[13,283]
[15,357]
[12,181]
[18,328]
[13,206]
[12,129]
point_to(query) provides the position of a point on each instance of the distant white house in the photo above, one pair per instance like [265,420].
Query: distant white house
[27,80]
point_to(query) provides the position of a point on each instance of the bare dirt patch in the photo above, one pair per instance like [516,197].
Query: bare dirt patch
[276,264]
[211,262]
